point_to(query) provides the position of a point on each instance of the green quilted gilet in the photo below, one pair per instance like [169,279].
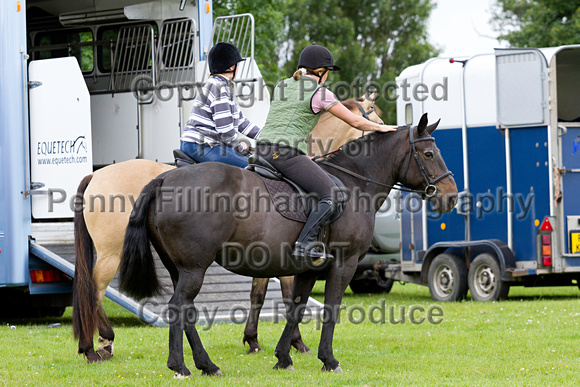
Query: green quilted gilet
[291,118]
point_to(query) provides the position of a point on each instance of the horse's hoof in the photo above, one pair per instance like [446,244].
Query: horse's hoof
[255,350]
[181,376]
[94,358]
[278,366]
[336,370]
[304,350]
[214,373]
[106,353]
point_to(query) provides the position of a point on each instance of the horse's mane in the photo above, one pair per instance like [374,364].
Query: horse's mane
[350,104]
[358,142]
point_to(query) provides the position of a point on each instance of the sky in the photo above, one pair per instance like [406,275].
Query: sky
[462,27]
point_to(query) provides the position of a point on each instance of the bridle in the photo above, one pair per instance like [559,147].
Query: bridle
[429,191]
[365,114]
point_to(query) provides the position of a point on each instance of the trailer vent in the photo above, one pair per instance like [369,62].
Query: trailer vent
[133,60]
[175,52]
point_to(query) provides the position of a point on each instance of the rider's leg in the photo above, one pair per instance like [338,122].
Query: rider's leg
[219,153]
[313,179]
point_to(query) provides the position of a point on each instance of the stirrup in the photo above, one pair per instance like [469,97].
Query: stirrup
[317,258]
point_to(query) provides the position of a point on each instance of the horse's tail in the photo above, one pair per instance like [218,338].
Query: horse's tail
[84,317]
[137,276]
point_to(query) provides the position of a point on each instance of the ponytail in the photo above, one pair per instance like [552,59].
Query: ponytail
[303,71]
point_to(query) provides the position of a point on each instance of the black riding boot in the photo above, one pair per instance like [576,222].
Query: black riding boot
[305,246]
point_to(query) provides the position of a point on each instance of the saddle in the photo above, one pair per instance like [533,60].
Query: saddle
[182,159]
[280,189]
[288,198]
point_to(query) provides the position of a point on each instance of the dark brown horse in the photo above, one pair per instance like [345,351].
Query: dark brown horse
[188,216]
[108,196]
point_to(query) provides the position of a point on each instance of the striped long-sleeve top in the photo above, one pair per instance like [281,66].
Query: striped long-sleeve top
[215,117]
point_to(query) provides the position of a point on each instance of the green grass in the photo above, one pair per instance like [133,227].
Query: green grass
[531,339]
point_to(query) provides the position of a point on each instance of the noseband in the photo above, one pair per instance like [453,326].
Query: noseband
[430,189]
[364,114]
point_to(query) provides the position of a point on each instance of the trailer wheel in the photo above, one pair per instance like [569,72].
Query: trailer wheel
[484,279]
[447,278]
[371,286]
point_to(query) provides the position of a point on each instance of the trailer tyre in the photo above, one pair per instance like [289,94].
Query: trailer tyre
[371,286]
[484,279]
[447,278]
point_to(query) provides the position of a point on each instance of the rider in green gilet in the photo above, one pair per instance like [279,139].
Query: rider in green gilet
[294,111]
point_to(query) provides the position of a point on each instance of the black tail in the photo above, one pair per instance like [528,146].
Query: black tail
[84,317]
[138,277]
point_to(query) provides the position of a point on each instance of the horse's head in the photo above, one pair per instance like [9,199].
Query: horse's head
[424,168]
[365,107]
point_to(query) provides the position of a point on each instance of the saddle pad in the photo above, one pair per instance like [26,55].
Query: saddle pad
[285,199]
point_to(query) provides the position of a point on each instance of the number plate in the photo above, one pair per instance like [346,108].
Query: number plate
[575,241]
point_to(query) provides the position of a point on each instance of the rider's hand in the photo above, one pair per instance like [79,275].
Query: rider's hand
[243,148]
[387,128]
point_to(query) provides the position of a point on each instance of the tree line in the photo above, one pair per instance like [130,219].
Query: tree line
[374,40]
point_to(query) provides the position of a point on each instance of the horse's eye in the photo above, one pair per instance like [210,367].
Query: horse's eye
[429,154]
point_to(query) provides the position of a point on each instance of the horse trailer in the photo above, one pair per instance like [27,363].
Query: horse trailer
[86,84]
[510,132]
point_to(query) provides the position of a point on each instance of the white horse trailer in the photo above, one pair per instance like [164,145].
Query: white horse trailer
[510,132]
[85,84]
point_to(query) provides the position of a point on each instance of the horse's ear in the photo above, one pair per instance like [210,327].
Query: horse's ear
[422,124]
[431,128]
[372,97]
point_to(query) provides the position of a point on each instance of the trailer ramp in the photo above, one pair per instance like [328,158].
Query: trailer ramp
[224,296]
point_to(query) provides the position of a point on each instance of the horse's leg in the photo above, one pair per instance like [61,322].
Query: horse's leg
[303,284]
[336,282]
[182,318]
[106,335]
[103,273]
[286,284]
[257,296]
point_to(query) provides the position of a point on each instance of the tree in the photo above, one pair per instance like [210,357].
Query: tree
[269,28]
[372,40]
[538,23]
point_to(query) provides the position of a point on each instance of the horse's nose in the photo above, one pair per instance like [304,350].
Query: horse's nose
[444,203]
[452,200]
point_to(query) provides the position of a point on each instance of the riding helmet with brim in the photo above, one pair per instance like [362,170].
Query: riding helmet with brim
[315,56]
[222,56]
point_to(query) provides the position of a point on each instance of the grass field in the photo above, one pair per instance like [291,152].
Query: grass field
[531,339]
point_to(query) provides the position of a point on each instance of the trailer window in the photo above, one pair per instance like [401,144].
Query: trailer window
[408,114]
[57,44]
[107,37]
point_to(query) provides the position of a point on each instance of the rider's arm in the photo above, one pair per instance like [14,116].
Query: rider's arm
[361,123]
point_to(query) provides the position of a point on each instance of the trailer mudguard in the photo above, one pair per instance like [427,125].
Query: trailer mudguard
[498,248]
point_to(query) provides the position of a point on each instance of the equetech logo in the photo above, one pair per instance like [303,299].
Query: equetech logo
[276,155]
[60,152]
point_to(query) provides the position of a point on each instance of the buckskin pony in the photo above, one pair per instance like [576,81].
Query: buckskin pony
[108,196]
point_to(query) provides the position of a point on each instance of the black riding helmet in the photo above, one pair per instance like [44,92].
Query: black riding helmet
[222,56]
[315,57]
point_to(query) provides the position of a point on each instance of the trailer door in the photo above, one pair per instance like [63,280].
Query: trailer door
[522,90]
[60,135]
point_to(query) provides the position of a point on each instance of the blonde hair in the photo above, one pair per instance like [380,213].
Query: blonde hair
[303,71]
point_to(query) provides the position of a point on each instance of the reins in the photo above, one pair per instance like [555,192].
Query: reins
[429,191]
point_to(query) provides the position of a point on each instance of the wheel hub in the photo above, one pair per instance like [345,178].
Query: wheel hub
[486,280]
[445,280]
